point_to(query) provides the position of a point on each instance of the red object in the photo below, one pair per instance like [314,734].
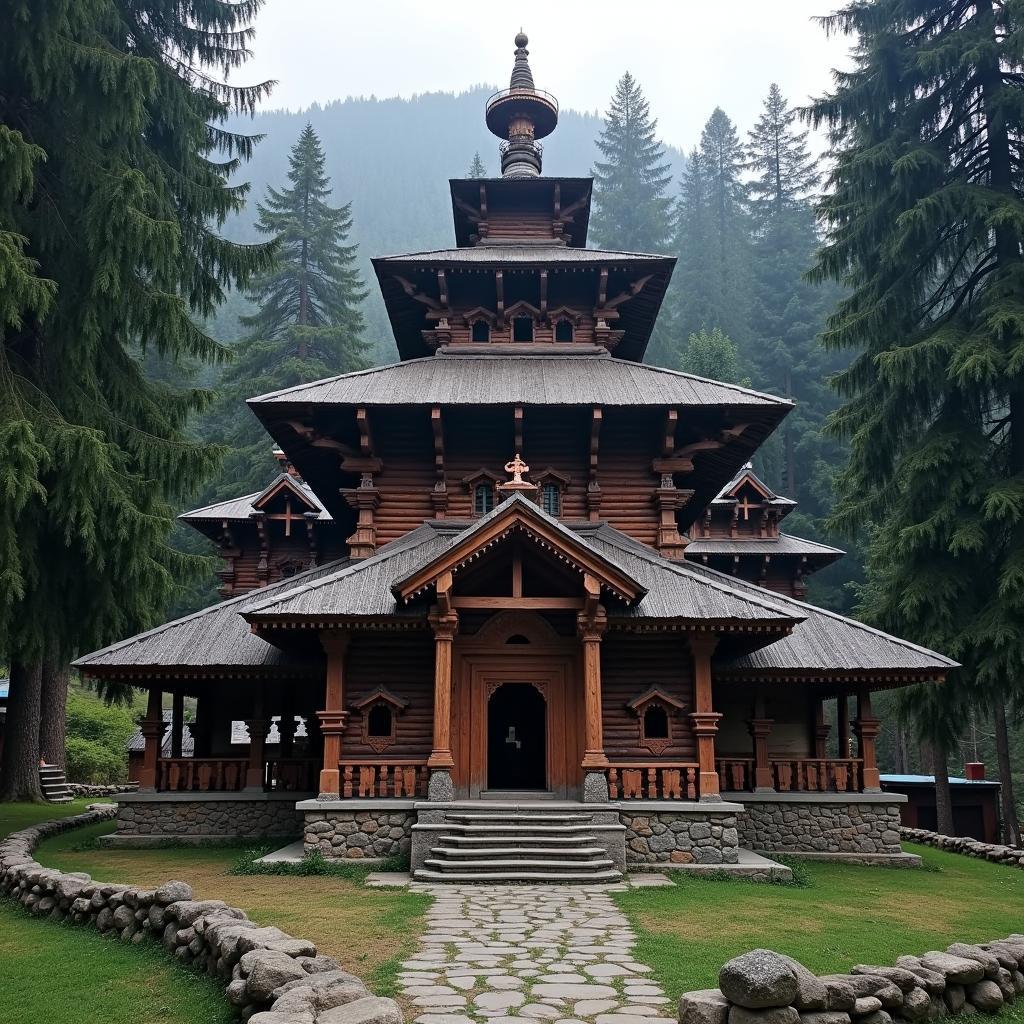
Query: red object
[975,771]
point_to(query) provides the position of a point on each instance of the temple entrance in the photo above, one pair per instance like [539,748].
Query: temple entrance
[517,738]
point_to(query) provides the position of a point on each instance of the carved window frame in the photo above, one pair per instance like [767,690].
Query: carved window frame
[380,697]
[655,697]
[551,477]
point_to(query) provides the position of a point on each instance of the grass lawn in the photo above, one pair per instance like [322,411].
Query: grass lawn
[845,915]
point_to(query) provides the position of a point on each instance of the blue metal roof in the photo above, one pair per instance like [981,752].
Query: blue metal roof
[929,780]
[5,689]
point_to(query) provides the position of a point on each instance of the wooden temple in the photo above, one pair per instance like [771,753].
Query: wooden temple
[519,567]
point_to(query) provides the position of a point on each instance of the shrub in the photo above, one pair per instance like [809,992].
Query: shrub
[96,738]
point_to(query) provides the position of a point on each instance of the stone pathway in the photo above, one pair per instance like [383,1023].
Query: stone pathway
[530,954]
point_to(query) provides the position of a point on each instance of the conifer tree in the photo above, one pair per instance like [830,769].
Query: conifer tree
[308,323]
[477,168]
[711,353]
[925,221]
[113,179]
[632,209]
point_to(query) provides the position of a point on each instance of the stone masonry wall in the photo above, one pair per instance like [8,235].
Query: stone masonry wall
[269,976]
[354,835]
[868,828]
[672,837]
[763,987]
[995,852]
[241,818]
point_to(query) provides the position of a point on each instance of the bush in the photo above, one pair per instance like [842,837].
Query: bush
[96,738]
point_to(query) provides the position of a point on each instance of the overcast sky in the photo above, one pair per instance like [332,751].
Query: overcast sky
[688,56]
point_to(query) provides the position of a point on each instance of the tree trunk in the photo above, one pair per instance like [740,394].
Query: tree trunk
[19,773]
[1011,826]
[53,706]
[943,798]
[901,754]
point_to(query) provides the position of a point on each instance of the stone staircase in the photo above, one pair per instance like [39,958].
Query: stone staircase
[55,786]
[536,843]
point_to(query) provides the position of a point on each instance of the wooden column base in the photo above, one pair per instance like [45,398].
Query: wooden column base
[441,759]
[330,784]
[332,725]
[705,725]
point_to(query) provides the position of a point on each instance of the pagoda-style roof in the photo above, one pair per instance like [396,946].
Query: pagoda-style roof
[486,200]
[413,294]
[783,544]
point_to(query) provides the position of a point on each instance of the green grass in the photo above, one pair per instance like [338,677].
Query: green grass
[842,915]
[14,817]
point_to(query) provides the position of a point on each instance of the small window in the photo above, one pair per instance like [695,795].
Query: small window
[551,499]
[655,723]
[563,330]
[522,328]
[481,331]
[483,499]
[380,721]
[517,638]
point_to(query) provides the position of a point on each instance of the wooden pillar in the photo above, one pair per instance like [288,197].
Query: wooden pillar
[152,727]
[704,718]
[843,724]
[591,627]
[760,730]
[445,624]
[867,727]
[819,728]
[257,726]
[333,716]
[177,722]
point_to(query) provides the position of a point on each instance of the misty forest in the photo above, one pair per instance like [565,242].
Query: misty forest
[859,253]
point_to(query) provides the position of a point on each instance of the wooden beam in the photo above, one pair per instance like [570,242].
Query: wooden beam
[631,292]
[517,420]
[668,443]
[499,287]
[365,437]
[521,603]
[517,573]
[410,289]
[442,287]
[543,294]
[333,716]
[602,288]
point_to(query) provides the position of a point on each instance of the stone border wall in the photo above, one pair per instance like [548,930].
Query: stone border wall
[667,837]
[762,987]
[241,818]
[820,827]
[271,977]
[79,789]
[358,835]
[995,852]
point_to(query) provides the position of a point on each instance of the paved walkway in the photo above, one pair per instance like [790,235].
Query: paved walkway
[529,953]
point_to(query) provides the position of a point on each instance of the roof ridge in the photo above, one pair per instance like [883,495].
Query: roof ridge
[215,504]
[809,540]
[218,606]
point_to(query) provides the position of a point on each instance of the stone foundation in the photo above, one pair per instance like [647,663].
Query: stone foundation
[195,818]
[357,830]
[821,823]
[658,832]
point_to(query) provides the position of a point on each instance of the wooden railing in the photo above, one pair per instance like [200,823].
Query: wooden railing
[384,777]
[794,775]
[203,775]
[654,780]
[291,775]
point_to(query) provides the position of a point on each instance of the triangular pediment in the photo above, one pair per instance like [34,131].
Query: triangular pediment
[519,517]
[285,489]
[747,479]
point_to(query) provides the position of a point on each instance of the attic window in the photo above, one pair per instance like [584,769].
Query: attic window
[563,330]
[480,331]
[551,499]
[483,499]
[655,723]
[522,328]
[380,722]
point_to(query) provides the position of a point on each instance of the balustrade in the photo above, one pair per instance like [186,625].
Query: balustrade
[794,775]
[203,775]
[386,777]
[656,780]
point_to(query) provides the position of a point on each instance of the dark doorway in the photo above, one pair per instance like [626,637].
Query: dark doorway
[516,738]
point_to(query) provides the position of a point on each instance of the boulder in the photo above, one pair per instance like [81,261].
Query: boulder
[370,1010]
[954,997]
[900,976]
[953,968]
[187,912]
[318,964]
[271,1017]
[310,998]
[866,1005]
[841,994]
[293,947]
[869,985]
[916,1004]
[123,917]
[825,1017]
[811,993]
[758,979]
[260,938]
[172,892]
[934,982]
[705,1006]
[236,992]
[767,1015]
[985,995]
[983,956]
[266,971]
[878,1017]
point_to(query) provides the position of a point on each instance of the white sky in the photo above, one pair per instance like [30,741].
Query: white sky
[689,56]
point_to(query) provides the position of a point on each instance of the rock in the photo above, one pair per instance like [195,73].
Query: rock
[172,892]
[266,971]
[811,993]
[906,980]
[869,985]
[104,919]
[705,1006]
[916,1004]
[187,912]
[985,995]
[953,968]
[293,947]
[767,1015]
[253,938]
[878,1017]
[236,992]
[933,981]
[987,960]
[1017,977]
[317,964]
[954,997]
[369,1010]
[123,917]
[866,1005]
[841,994]
[757,980]
[311,998]
[272,1017]
[825,1017]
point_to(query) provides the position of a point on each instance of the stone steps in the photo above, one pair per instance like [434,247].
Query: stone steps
[54,784]
[518,845]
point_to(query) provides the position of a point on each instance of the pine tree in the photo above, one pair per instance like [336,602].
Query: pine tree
[308,322]
[112,184]
[632,209]
[711,353]
[925,221]
[477,168]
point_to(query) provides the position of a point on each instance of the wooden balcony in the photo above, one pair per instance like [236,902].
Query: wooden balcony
[794,775]
[228,774]
[653,780]
[384,777]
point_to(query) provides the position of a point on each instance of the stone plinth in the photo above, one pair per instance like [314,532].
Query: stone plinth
[668,833]
[357,829]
